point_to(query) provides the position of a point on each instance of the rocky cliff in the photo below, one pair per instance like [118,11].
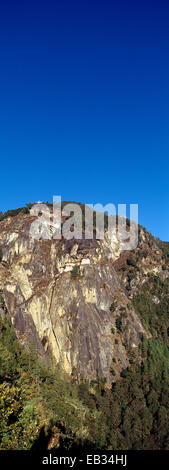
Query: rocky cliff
[73,298]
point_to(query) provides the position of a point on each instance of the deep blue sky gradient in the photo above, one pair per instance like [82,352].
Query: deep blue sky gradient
[84,104]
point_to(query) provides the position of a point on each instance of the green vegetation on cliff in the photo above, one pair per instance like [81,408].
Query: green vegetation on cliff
[33,395]
[36,399]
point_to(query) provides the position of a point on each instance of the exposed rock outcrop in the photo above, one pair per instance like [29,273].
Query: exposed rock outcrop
[86,321]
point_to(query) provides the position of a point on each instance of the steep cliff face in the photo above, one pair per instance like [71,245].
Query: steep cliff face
[69,298]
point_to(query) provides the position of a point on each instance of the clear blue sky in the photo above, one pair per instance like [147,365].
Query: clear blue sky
[84,104]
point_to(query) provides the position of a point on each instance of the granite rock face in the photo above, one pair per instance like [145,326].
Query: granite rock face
[83,319]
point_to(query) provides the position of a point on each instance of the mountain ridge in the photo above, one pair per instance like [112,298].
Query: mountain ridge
[70,297]
[115,396]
